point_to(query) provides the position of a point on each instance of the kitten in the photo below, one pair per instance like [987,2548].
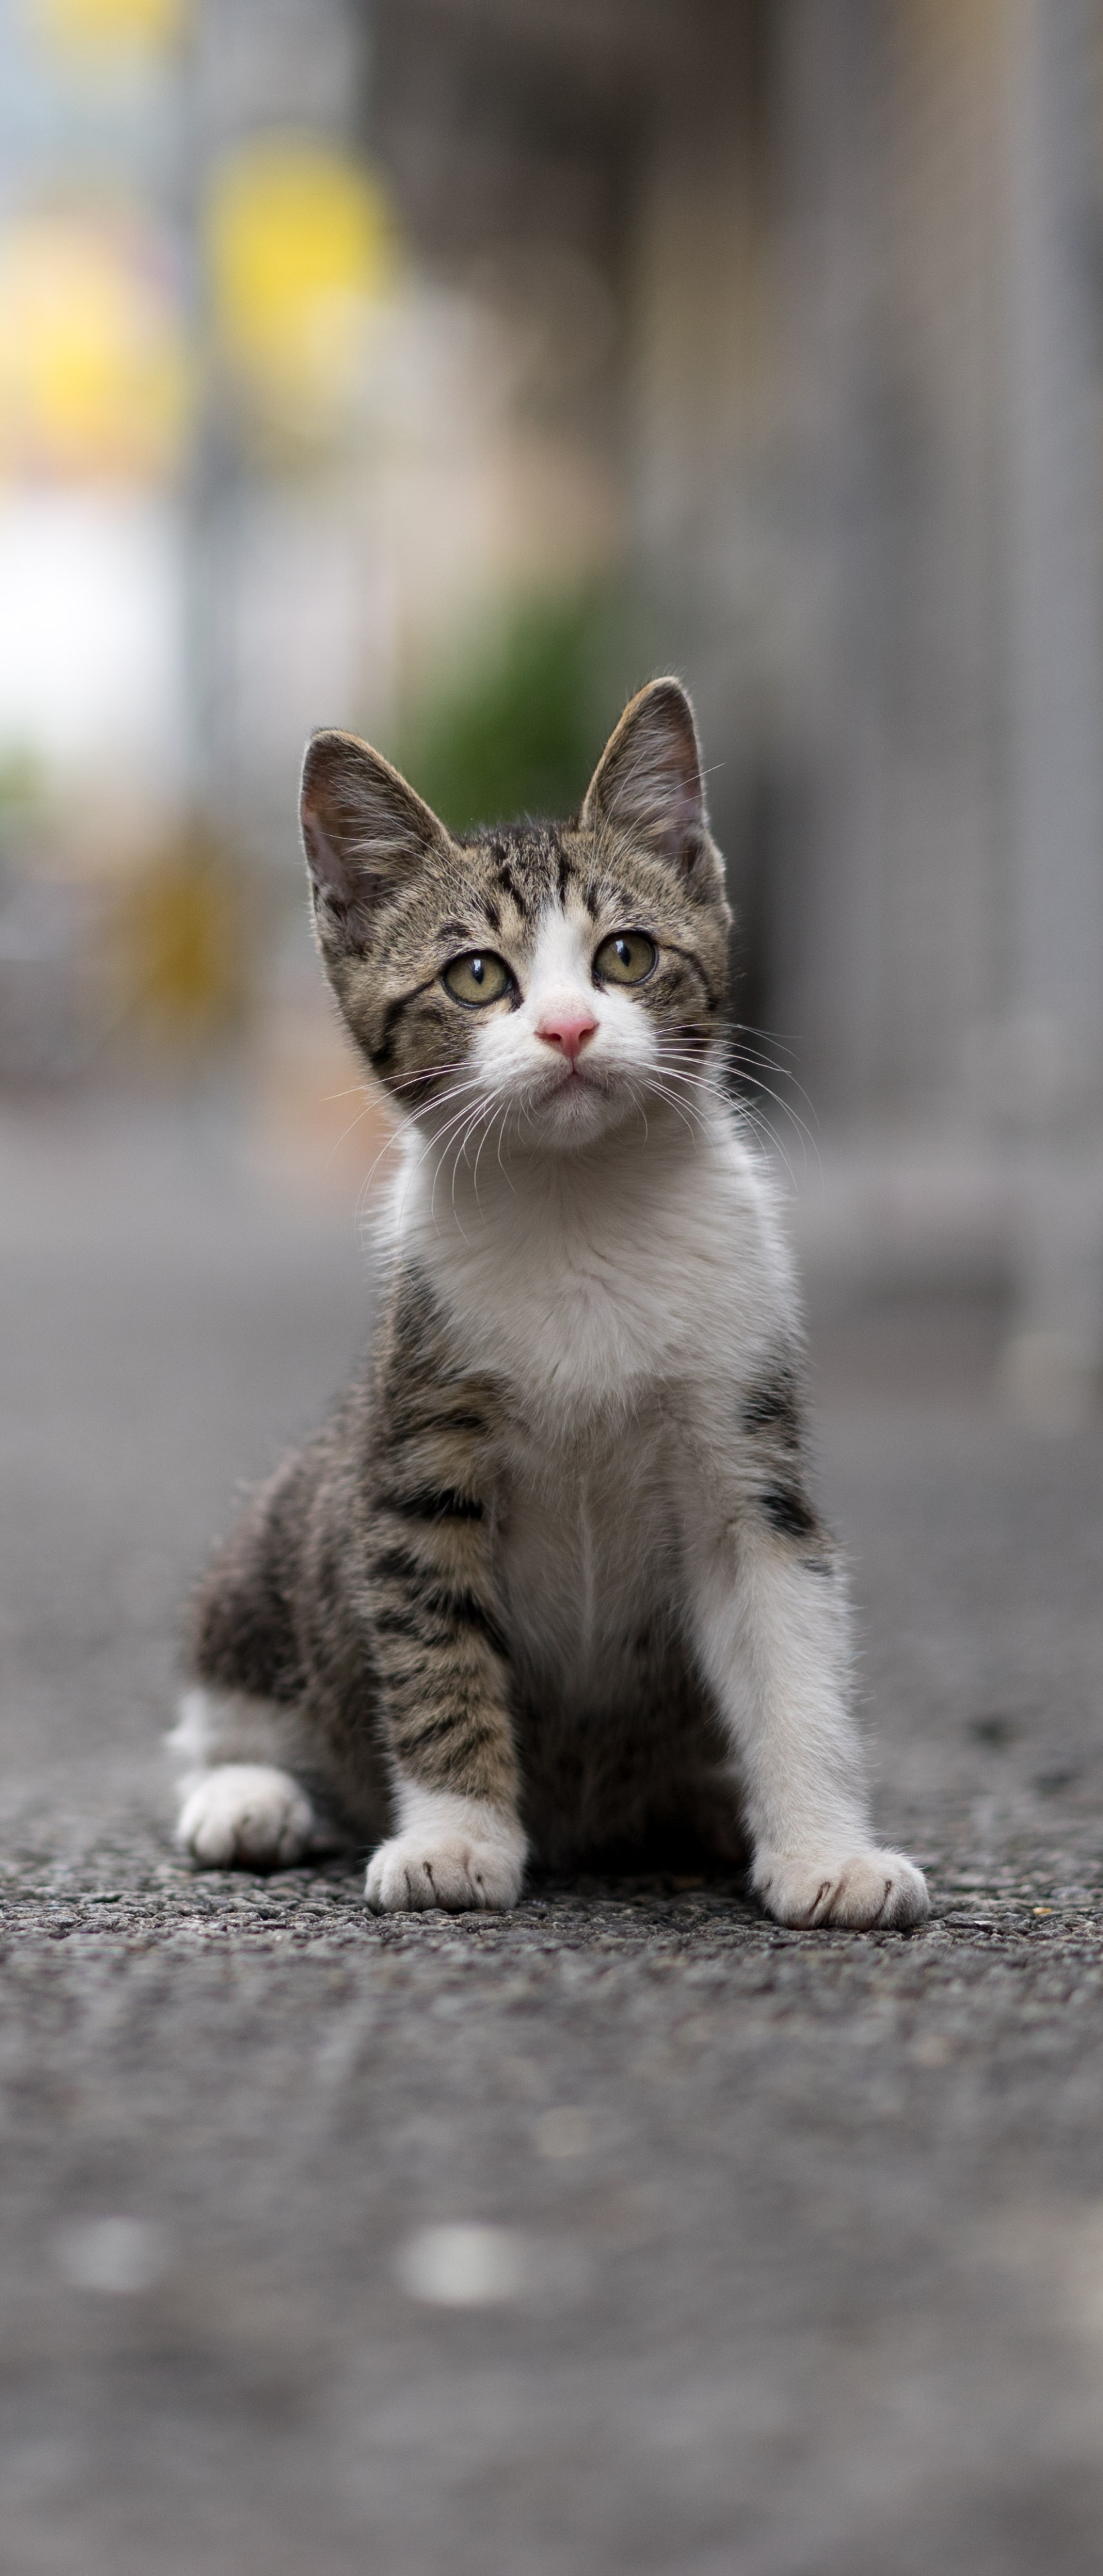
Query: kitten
[550,1580]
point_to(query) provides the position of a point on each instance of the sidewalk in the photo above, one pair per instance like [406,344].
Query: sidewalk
[791,2259]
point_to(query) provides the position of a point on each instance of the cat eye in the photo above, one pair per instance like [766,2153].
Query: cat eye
[626,958]
[477,979]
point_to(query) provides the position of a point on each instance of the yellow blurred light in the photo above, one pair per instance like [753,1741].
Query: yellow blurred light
[177,949]
[105,27]
[300,245]
[93,373]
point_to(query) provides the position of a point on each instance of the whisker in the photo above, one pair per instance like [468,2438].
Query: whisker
[639,1105]
[494,1115]
[767,1141]
[748,1114]
[437,1140]
[362,1112]
[697,1081]
[766,1037]
[457,1128]
[683,1109]
[400,1136]
[506,1113]
[740,1055]
[740,1060]
[676,1059]
[460,1155]
[809,1141]
[360,1211]
[461,1092]
[478,1155]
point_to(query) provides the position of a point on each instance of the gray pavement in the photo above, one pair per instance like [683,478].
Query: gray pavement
[789,2248]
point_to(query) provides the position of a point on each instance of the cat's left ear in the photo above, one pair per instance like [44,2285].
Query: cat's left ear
[648,784]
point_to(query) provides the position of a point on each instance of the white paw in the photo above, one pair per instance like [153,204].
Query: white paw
[246,1815]
[457,1871]
[866,1891]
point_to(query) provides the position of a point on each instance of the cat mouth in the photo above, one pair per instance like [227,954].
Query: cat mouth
[571,1082]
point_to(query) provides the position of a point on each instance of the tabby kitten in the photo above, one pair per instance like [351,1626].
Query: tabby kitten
[550,1580]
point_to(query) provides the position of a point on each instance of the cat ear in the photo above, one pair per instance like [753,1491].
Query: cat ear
[648,782]
[364,831]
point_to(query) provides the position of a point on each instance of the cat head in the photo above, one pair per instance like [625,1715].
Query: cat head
[565,972]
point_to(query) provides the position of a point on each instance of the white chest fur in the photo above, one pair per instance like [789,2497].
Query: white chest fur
[615,1295]
[653,1261]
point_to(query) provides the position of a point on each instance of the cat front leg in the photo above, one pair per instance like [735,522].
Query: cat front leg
[772,1630]
[464,1854]
[440,1657]
[459,1843]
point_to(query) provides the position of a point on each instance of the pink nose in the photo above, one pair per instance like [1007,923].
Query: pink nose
[567,1029]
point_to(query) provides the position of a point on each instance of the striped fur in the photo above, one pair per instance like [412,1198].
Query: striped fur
[551,1581]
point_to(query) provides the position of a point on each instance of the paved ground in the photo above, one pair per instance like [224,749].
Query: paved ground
[788,2249]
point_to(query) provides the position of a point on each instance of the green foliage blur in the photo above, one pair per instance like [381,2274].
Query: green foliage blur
[520,729]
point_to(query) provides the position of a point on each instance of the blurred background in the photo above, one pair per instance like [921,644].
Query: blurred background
[442,368]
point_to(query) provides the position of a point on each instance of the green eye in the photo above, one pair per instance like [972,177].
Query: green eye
[625,958]
[477,979]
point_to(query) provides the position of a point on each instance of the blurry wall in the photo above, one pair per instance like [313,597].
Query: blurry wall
[265,463]
[443,366]
[851,249]
[853,411]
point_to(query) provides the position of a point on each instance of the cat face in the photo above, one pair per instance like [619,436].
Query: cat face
[555,976]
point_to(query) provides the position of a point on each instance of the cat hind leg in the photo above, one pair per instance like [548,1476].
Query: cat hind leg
[241,1804]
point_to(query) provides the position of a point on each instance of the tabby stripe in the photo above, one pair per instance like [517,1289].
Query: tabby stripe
[471,1612]
[695,964]
[397,1565]
[509,885]
[773,1405]
[424,1587]
[424,1503]
[474,1422]
[438,1639]
[458,1611]
[381,1053]
[789,1513]
[411,1421]
[399,1623]
[424,1735]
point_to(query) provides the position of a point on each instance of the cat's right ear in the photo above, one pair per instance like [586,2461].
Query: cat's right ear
[365,833]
